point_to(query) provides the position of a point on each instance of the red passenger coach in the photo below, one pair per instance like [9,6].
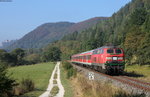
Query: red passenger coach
[82,58]
[108,59]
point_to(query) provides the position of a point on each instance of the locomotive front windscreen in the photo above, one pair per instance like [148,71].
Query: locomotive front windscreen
[114,51]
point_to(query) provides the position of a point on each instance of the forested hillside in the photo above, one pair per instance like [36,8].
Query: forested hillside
[50,32]
[42,35]
[129,28]
[86,24]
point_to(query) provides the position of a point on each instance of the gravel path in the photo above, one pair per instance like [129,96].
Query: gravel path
[51,85]
[61,88]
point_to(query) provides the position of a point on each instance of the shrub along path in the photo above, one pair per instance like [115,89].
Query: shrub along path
[55,76]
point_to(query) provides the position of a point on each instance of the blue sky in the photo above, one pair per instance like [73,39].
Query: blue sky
[19,17]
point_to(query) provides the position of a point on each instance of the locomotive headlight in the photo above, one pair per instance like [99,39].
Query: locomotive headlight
[120,58]
[109,58]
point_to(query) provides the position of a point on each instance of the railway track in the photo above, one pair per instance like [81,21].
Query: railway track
[133,82]
[138,84]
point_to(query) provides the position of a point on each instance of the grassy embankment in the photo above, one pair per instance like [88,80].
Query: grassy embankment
[139,72]
[66,83]
[39,73]
[80,86]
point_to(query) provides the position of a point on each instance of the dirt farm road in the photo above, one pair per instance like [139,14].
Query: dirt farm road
[51,84]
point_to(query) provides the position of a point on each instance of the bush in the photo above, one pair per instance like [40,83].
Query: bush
[27,85]
[67,65]
[70,70]
[17,91]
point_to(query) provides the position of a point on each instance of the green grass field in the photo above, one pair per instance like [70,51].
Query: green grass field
[141,70]
[39,73]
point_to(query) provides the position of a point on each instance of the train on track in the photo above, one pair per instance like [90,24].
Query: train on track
[106,59]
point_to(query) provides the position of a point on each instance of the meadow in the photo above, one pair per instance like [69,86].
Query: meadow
[140,72]
[38,73]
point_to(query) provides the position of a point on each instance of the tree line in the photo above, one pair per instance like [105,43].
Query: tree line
[26,57]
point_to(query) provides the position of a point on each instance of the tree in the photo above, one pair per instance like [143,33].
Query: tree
[33,58]
[5,57]
[52,54]
[18,55]
[6,83]
[138,17]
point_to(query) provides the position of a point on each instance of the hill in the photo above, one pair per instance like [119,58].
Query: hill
[86,24]
[42,35]
[128,28]
[50,32]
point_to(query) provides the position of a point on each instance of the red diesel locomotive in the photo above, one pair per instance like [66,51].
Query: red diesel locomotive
[107,59]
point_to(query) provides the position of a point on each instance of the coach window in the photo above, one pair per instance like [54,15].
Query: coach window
[110,51]
[89,57]
[86,57]
[94,59]
[98,51]
[102,51]
[95,52]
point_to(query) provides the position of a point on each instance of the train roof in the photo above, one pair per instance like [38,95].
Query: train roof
[87,52]
[107,47]
[96,49]
[84,52]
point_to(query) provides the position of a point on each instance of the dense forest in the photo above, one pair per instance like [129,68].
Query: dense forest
[129,28]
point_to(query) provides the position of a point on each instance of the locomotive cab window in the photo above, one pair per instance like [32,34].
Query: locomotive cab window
[110,51]
[118,51]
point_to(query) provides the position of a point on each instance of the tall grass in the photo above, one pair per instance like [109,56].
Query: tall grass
[92,88]
[66,82]
[89,88]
